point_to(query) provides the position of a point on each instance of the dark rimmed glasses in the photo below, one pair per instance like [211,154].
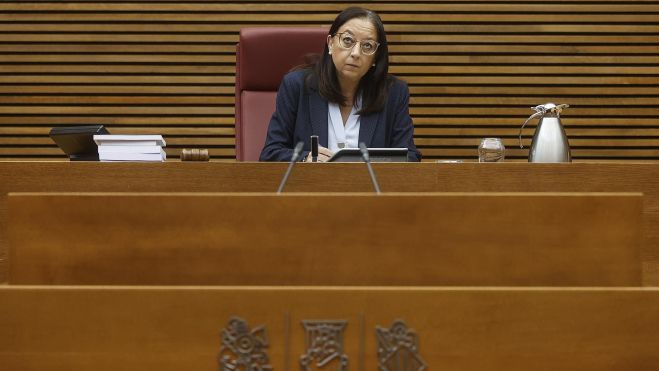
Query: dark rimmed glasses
[348,41]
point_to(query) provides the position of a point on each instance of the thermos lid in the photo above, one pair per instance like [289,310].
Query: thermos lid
[550,108]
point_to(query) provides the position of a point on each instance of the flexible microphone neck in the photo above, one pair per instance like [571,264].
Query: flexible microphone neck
[366,158]
[294,158]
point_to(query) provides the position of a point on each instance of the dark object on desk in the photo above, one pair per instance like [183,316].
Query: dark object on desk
[78,141]
[194,154]
[375,154]
[314,148]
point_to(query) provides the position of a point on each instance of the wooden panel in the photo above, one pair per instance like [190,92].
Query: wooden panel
[142,66]
[168,328]
[265,177]
[523,239]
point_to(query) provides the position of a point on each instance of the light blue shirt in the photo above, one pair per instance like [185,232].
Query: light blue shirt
[340,136]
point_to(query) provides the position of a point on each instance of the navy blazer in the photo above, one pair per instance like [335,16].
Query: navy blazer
[301,112]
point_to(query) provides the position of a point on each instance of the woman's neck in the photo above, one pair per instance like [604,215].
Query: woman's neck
[348,89]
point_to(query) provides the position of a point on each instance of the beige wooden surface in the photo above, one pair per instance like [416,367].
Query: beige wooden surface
[178,328]
[474,70]
[445,239]
[258,177]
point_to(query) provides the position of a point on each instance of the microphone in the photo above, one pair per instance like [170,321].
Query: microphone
[366,158]
[314,148]
[294,158]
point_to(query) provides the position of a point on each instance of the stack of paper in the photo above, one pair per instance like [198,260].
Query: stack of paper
[130,147]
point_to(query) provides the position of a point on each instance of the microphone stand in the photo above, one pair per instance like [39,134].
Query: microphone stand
[366,158]
[296,155]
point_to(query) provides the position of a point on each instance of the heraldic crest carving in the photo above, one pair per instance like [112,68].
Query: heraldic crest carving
[324,341]
[398,348]
[242,349]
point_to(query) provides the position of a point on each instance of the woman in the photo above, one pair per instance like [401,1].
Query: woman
[345,98]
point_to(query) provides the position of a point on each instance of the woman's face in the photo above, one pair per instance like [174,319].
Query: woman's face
[352,64]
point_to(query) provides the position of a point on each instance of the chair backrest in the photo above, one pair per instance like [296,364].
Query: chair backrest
[263,56]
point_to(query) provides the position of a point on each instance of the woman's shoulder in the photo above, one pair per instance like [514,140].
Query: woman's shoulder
[296,76]
[297,81]
[397,87]
[396,83]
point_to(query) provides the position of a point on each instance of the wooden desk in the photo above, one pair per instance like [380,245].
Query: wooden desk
[59,328]
[429,239]
[261,177]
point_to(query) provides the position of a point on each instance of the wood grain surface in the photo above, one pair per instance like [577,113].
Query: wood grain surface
[178,328]
[445,239]
[262,177]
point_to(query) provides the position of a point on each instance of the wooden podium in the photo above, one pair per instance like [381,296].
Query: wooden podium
[325,281]
[454,239]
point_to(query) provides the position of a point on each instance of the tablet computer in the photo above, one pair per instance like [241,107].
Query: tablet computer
[78,141]
[375,155]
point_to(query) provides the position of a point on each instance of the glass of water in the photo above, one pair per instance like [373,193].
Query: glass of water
[491,150]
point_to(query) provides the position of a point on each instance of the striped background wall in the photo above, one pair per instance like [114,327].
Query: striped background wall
[474,69]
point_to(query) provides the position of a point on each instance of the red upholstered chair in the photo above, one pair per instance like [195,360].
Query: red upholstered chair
[263,56]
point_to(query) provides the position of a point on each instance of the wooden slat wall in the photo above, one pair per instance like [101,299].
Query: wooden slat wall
[474,69]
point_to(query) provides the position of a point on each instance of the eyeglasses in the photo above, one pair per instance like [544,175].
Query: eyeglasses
[347,41]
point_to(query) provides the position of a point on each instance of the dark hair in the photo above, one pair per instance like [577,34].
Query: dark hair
[374,85]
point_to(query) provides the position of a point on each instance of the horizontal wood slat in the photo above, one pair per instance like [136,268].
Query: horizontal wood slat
[462,69]
[294,16]
[229,49]
[474,69]
[235,7]
[392,28]
[394,38]
[109,100]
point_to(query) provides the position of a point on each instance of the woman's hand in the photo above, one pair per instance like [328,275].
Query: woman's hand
[324,154]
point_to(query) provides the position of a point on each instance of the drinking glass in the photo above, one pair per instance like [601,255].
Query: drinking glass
[491,150]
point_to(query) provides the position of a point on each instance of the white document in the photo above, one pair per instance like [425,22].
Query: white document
[129,140]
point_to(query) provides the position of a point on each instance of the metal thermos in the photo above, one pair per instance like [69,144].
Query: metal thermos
[549,142]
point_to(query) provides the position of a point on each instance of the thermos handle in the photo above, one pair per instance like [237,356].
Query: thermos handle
[539,113]
[559,108]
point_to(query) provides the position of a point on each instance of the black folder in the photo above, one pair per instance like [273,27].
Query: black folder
[78,141]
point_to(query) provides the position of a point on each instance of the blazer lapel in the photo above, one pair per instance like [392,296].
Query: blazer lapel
[367,125]
[318,114]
